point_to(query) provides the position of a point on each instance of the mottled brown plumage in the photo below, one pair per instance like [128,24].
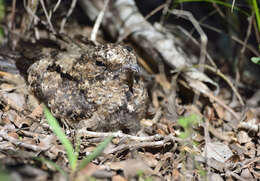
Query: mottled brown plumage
[93,86]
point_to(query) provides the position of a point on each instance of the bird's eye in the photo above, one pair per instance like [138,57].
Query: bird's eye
[130,49]
[99,63]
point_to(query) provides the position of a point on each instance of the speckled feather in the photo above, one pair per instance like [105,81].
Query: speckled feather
[93,86]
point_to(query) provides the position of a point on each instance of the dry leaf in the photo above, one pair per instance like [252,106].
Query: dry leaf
[118,178]
[218,151]
[242,137]
[131,167]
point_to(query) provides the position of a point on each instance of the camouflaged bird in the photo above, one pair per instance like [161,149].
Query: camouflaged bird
[92,86]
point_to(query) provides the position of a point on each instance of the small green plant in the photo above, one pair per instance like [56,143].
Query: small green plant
[256,60]
[187,124]
[72,154]
[4,176]
[142,177]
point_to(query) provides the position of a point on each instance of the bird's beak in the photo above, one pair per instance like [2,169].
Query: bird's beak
[133,67]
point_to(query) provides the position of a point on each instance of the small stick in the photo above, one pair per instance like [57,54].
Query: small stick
[18,142]
[98,22]
[119,134]
[203,39]
[63,22]
[48,17]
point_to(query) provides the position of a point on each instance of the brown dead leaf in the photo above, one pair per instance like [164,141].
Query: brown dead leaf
[242,137]
[16,119]
[37,112]
[15,100]
[9,117]
[23,122]
[6,145]
[13,135]
[251,116]
[246,174]
[12,78]
[226,136]
[29,140]
[88,170]
[149,159]
[55,151]
[155,100]
[175,174]
[251,121]
[162,80]
[215,177]
[47,141]
[192,109]
[131,167]
[219,110]
[118,178]
[251,149]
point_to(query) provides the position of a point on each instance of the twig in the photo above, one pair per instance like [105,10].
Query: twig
[236,39]
[207,142]
[154,11]
[233,4]
[83,132]
[220,135]
[190,37]
[195,41]
[56,6]
[251,161]
[98,22]
[63,22]
[24,132]
[18,142]
[48,17]
[256,32]
[29,11]
[219,10]
[13,14]
[30,16]
[203,39]
[219,73]
[235,175]
[165,10]
[135,146]
[157,116]
[248,33]
[212,97]
[242,51]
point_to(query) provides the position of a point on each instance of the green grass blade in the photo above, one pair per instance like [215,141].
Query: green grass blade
[214,1]
[256,9]
[96,152]
[72,157]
